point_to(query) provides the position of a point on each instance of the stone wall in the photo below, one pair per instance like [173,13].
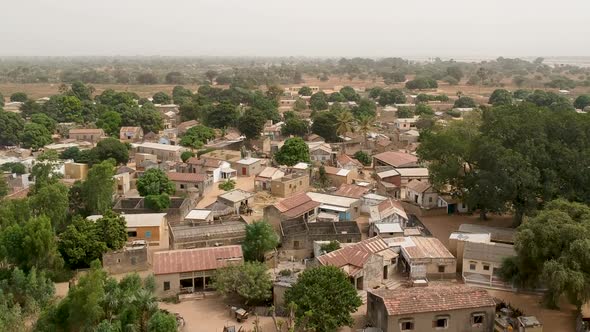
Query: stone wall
[126,260]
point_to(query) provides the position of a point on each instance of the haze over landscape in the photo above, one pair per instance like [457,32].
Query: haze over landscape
[454,28]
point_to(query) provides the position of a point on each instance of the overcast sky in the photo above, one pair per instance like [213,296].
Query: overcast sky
[373,28]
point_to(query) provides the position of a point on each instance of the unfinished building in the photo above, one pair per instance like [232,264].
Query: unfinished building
[188,235]
[179,207]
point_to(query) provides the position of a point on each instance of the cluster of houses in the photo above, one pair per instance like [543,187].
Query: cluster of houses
[408,279]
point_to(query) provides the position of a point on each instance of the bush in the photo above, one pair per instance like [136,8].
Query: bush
[227,185]
[363,157]
[186,155]
[285,272]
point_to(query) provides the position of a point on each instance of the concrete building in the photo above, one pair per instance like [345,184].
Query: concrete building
[130,134]
[424,257]
[290,184]
[122,183]
[320,152]
[132,258]
[405,124]
[367,263]
[299,206]
[298,236]
[387,219]
[249,166]
[230,156]
[340,176]
[144,226]
[75,171]
[191,270]
[219,170]
[421,193]
[482,262]
[337,208]
[86,134]
[188,235]
[185,181]
[263,180]
[347,162]
[163,152]
[237,199]
[352,191]
[456,308]
[453,205]
[199,216]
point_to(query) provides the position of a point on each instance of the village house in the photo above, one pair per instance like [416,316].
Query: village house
[263,180]
[453,308]
[219,170]
[404,124]
[336,208]
[421,193]
[130,134]
[290,184]
[143,226]
[230,156]
[452,204]
[75,171]
[190,234]
[352,191]
[367,263]
[408,137]
[320,153]
[122,183]
[272,131]
[340,176]
[298,236]
[191,270]
[86,134]
[395,159]
[497,234]
[185,181]
[249,166]
[482,262]
[387,219]
[424,257]
[199,216]
[163,152]
[347,162]
[298,206]
[237,199]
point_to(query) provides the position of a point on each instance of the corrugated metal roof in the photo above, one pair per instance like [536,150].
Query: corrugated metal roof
[355,255]
[191,260]
[488,252]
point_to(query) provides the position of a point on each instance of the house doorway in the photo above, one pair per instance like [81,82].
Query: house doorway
[451,208]
[385,272]
[244,171]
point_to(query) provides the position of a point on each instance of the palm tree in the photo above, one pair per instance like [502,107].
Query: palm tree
[365,126]
[344,123]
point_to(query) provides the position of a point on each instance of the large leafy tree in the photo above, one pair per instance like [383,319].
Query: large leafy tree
[293,151]
[324,125]
[251,123]
[97,190]
[35,136]
[318,101]
[260,239]
[295,126]
[582,101]
[250,281]
[19,96]
[161,322]
[222,115]
[154,182]
[390,97]
[45,121]
[552,251]
[305,91]
[350,94]
[52,201]
[110,122]
[465,102]
[112,148]
[500,97]
[11,127]
[324,298]
[161,98]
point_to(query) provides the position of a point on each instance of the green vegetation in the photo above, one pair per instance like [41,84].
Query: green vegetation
[330,246]
[293,151]
[250,281]
[227,185]
[260,239]
[363,157]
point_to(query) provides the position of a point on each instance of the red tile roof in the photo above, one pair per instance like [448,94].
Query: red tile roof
[436,298]
[295,206]
[351,190]
[355,255]
[186,177]
[200,259]
[397,158]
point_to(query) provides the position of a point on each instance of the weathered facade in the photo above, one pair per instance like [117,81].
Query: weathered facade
[290,184]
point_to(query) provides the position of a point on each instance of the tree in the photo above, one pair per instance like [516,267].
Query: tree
[324,125]
[157,203]
[550,249]
[500,97]
[423,110]
[181,95]
[161,98]
[324,297]
[464,102]
[4,190]
[98,190]
[154,182]
[421,83]
[227,185]
[455,72]
[81,91]
[14,167]
[336,97]
[80,243]
[196,136]
[344,124]
[296,127]
[112,148]
[330,246]
[31,291]
[318,101]
[19,97]
[390,97]
[350,94]
[110,122]
[250,281]
[146,78]
[300,105]
[186,155]
[52,201]
[222,116]
[293,151]
[365,108]
[375,92]
[1,100]
[363,157]
[323,180]
[305,91]
[162,322]
[45,121]
[175,77]
[260,239]
[31,245]
[582,102]
[211,74]
[11,127]
[35,136]
[251,123]
[404,112]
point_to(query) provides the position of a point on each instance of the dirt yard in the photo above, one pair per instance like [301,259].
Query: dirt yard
[553,320]
[441,227]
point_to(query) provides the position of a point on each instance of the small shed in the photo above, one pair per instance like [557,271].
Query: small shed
[249,166]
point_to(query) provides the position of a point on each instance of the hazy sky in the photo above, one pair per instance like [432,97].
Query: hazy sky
[373,28]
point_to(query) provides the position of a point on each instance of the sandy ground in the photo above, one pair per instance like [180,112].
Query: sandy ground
[553,320]
[441,227]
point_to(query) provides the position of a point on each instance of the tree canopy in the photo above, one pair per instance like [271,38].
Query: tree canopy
[154,182]
[250,281]
[260,239]
[293,151]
